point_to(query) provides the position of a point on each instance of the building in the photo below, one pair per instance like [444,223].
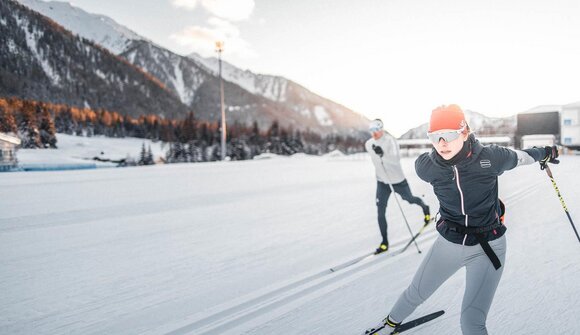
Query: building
[8,144]
[541,120]
[571,126]
[530,141]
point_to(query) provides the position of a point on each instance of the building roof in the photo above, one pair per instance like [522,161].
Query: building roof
[574,104]
[9,138]
[538,137]
[543,109]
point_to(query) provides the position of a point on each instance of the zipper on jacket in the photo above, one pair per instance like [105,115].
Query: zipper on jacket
[456,172]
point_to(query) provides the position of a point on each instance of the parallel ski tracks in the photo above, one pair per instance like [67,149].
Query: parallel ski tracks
[245,311]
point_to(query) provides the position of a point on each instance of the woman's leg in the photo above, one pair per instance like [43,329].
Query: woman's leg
[443,260]
[482,280]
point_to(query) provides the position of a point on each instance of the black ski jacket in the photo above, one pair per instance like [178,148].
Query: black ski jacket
[467,187]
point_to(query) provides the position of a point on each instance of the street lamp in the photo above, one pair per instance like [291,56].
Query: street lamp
[219,47]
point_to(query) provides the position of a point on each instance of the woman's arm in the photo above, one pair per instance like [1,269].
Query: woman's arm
[504,159]
[548,154]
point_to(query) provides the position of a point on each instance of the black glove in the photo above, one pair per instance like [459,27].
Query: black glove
[378,150]
[551,155]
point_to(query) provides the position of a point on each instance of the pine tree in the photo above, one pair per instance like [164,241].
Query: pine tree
[188,129]
[143,156]
[64,121]
[149,159]
[7,120]
[28,126]
[47,128]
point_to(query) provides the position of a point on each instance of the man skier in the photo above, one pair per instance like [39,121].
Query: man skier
[384,152]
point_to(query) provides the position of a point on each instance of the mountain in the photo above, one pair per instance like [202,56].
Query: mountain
[249,97]
[198,86]
[479,123]
[43,61]
[270,87]
[97,28]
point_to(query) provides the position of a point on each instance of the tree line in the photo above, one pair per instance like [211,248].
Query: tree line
[190,139]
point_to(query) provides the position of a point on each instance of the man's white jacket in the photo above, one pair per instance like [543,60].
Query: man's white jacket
[389,171]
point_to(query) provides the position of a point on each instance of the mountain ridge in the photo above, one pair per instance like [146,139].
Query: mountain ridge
[46,62]
[249,97]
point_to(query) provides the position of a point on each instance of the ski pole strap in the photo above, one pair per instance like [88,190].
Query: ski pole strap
[478,233]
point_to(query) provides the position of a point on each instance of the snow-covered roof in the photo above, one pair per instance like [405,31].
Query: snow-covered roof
[543,109]
[572,105]
[9,138]
[414,141]
[538,137]
[494,139]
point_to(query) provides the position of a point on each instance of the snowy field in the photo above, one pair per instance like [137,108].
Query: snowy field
[246,247]
[78,152]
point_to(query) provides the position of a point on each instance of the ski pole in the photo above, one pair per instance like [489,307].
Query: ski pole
[401,208]
[549,172]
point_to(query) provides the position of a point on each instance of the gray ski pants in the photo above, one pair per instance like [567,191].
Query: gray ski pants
[442,261]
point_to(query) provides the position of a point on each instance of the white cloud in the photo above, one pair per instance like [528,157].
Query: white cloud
[234,10]
[188,4]
[202,38]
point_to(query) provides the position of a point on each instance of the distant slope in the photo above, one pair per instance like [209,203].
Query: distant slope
[194,80]
[43,61]
[97,28]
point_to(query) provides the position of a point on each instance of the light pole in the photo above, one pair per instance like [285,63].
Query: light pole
[219,47]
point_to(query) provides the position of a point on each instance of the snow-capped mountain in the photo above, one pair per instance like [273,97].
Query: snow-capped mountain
[43,61]
[97,28]
[179,74]
[479,123]
[249,97]
[271,87]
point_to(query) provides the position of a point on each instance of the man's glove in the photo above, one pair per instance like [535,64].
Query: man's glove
[551,155]
[378,150]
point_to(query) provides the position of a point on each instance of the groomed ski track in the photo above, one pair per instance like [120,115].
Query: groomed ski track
[275,301]
[292,294]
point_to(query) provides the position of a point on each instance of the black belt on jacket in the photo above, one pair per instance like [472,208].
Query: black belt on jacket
[478,232]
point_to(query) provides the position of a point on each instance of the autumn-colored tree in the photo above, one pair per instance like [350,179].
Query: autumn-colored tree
[7,120]
[28,126]
[47,129]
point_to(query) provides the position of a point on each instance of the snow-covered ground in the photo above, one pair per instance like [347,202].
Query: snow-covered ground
[77,152]
[245,248]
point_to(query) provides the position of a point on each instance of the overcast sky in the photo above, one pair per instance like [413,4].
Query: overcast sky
[393,59]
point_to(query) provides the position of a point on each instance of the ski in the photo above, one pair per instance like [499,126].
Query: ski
[370,255]
[417,322]
[414,237]
[352,262]
[407,325]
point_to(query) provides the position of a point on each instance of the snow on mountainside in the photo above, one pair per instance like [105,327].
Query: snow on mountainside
[178,73]
[270,87]
[250,97]
[45,62]
[97,28]
[479,123]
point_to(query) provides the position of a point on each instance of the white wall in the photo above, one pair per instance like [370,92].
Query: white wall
[530,141]
[570,126]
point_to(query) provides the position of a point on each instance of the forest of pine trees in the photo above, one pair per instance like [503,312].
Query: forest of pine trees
[191,140]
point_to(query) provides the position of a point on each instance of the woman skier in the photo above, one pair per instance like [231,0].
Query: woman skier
[464,175]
